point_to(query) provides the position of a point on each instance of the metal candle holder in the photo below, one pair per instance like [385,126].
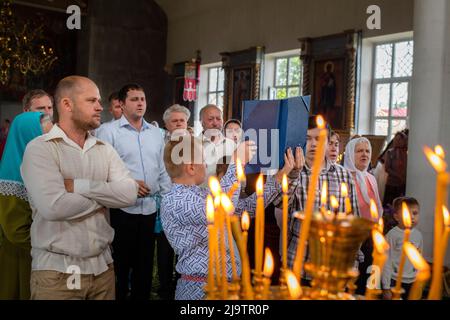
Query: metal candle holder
[333,246]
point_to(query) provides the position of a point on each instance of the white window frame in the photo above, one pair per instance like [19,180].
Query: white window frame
[287,86]
[217,91]
[391,82]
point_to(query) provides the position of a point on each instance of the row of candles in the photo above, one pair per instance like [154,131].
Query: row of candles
[441,221]
[221,221]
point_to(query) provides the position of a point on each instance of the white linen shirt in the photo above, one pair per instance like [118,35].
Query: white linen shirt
[70,229]
[214,153]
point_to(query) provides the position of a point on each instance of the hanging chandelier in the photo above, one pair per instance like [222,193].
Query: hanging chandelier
[22,46]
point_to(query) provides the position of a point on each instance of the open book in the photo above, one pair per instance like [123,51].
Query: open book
[274,125]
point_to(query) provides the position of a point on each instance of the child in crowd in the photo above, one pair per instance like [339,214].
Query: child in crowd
[395,239]
[333,147]
[183,209]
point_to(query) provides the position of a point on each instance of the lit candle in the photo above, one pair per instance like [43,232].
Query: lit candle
[423,271]
[344,192]
[259,225]
[295,291]
[285,221]
[240,177]
[324,197]
[437,161]
[309,207]
[247,291]
[374,211]
[436,291]
[334,203]
[214,186]
[216,190]
[381,225]
[379,254]
[240,170]
[268,271]
[439,151]
[216,244]
[211,241]
[440,166]
[228,208]
[223,253]
[246,278]
[245,224]
[406,216]
[329,216]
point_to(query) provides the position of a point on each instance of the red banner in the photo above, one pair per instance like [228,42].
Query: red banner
[190,82]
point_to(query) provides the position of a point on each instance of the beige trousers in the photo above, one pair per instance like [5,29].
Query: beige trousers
[54,285]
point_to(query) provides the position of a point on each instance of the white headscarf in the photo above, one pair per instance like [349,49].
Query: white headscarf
[349,164]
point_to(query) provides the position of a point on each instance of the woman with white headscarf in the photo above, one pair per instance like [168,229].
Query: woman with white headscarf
[358,153]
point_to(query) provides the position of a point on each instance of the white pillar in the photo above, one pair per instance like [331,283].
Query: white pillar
[430,107]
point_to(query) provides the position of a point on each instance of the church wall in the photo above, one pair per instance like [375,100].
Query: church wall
[215,26]
[122,44]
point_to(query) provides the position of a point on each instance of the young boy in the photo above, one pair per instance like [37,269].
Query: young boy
[395,239]
[183,210]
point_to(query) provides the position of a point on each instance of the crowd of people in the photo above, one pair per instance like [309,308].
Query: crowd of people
[85,204]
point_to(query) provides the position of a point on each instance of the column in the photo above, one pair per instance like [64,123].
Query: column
[430,106]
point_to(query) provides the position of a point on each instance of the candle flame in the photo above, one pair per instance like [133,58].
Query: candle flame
[320,122]
[334,202]
[437,162]
[217,201]
[446,216]
[226,203]
[293,286]
[329,214]
[259,186]
[214,186]
[373,210]
[323,194]
[210,209]
[284,184]
[381,225]
[239,170]
[406,216]
[344,190]
[439,151]
[245,221]
[268,263]
[379,242]
[417,261]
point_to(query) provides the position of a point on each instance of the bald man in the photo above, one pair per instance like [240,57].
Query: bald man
[215,145]
[71,178]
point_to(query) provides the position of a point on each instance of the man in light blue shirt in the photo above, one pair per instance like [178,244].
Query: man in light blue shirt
[141,146]
[114,108]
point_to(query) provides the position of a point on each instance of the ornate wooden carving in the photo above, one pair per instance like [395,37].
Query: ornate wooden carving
[242,70]
[340,51]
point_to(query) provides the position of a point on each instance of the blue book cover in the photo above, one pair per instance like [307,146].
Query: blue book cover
[275,125]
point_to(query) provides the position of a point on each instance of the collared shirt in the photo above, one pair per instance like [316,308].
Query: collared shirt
[69,229]
[166,136]
[143,152]
[334,175]
[183,215]
[214,153]
[104,125]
